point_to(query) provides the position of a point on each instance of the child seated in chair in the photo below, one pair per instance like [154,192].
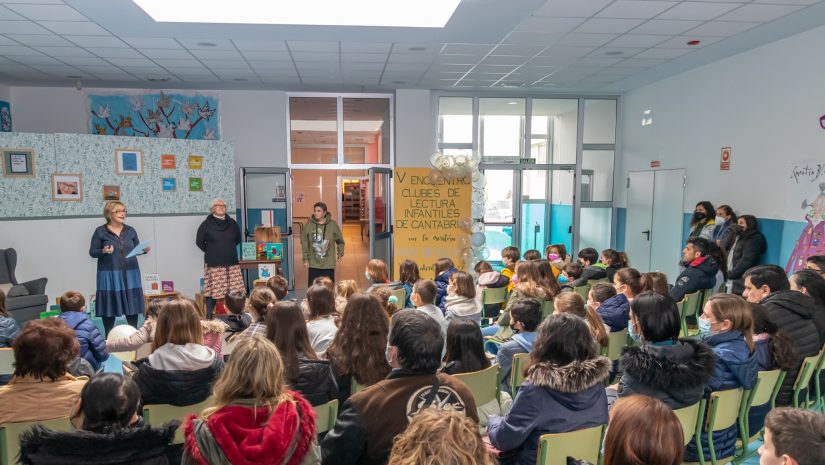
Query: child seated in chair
[92,344]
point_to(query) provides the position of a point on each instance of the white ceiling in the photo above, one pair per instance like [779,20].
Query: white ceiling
[546,46]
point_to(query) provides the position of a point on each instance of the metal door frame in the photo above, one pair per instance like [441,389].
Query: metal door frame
[388,209]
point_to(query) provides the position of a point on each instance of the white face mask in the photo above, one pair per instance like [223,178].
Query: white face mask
[720,220]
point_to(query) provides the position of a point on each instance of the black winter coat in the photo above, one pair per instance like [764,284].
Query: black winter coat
[219,239]
[675,374]
[745,254]
[136,446]
[316,381]
[793,312]
[698,275]
[176,387]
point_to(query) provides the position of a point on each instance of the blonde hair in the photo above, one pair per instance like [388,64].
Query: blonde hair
[377,270]
[255,372]
[346,288]
[570,302]
[110,207]
[383,294]
[528,281]
[261,299]
[179,323]
[440,437]
[736,310]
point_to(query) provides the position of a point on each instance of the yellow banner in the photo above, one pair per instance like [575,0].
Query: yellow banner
[427,218]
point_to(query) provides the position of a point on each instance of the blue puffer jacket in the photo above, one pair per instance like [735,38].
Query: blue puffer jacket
[522,343]
[9,329]
[441,282]
[92,344]
[736,366]
[553,399]
[615,312]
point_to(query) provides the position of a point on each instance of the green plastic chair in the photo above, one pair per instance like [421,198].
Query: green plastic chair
[158,414]
[691,419]
[616,342]
[401,295]
[547,308]
[764,391]
[584,444]
[819,400]
[688,306]
[582,290]
[725,411]
[10,436]
[485,384]
[803,381]
[325,415]
[354,386]
[496,295]
[6,361]
[520,361]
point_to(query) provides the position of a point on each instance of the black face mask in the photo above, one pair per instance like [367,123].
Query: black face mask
[698,217]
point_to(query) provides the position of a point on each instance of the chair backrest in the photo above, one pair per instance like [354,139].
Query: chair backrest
[354,386]
[692,303]
[119,332]
[325,415]
[547,308]
[725,411]
[690,418]
[806,372]
[817,377]
[495,295]
[6,361]
[591,282]
[10,436]
[401,295]
[582,290]
[584,444]
[485,384]
[762,392]
[616,342]
[520,361]
[158,414]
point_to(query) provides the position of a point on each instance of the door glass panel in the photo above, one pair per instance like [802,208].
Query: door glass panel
[380,237]
[501,127]
[366,130]
[553,128]
[534,209]
[455,120]
[599,121]
[597,175]
[594,230]
[499,189]
[561,208]
[313,130]
[265,196]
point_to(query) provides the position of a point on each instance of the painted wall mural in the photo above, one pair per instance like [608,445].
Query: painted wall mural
[171,116]
[5,116]
[806,201]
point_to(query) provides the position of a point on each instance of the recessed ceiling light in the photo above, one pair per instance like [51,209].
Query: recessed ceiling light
[417,49]
[614,53]
[399,82]
[512,103]
[206,44]
[163,79]
[420,13]
[240,79]
[694,42]
[74,77]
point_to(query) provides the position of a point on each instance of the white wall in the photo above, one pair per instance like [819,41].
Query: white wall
[415,128]
[764,103]
[5,93]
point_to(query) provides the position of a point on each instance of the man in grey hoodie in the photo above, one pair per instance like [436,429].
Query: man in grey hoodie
[525,317]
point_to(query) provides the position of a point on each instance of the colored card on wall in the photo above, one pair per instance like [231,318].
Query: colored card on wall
[111,192]
[195,184]
[5,116]
[167,162]
[195,162]
[248,251]
[169,184]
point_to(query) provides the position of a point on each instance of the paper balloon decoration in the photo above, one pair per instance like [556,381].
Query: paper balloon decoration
[478,239]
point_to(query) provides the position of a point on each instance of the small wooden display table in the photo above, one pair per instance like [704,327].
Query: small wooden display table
[247,265]
[148,298]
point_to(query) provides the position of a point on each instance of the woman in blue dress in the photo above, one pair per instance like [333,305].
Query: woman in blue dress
[119,282]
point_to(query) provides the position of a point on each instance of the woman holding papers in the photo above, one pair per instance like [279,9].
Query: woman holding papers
[119,284]
[218,236]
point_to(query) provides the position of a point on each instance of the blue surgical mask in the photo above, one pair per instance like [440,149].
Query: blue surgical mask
[631,330]
[704,327]
[563,279]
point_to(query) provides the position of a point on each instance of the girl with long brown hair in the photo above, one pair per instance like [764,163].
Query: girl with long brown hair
[357,352]
[643,431]
[303,370]
[528,286]
[321,322]
[615,311]
[570,302]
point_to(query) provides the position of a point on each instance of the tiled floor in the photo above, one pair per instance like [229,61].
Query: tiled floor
[356,256]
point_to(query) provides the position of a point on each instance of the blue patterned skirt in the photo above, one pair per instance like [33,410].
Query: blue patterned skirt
[119,293]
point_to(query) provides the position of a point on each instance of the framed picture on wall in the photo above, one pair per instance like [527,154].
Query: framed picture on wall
[129,161]
[18,162]
[111,192]
[169,184]
[195,184]
[167,161]
[67,187]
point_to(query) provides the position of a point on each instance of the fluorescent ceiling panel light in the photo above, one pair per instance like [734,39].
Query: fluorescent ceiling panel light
[417,13]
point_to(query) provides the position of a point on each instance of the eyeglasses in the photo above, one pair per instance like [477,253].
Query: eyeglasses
[220,205]
[124,211]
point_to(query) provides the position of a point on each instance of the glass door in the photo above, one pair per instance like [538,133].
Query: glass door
[265,194]
[379,202]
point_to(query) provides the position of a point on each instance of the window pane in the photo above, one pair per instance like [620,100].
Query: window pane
[597,175]
[366,130]
[599,121]
[534,184]
[553,125]
[499,189]
[455,120]
[498,237]
[594,230]
[501,127]
[561,208]
[313,129]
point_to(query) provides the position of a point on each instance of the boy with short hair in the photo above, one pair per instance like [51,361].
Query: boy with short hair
[238,319]
[509,257]
[423,296]
[278,285]
[92,344]
[570,274]
[593,269]
[793,437]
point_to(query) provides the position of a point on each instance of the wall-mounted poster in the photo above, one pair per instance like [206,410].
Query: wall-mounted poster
[67,187]
[142,114]
[111,192]
[195,184]
[18,162]
[129,161]
[5,116]
[169,184]
[167,162]
[195,162]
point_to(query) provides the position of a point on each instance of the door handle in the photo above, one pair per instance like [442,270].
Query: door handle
[647,234]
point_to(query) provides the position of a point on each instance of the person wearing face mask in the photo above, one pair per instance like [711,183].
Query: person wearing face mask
[509,257]
[378,275]
[747,249]
[726,229]
[322,244]
[726,325]
[672,369]
[702,224]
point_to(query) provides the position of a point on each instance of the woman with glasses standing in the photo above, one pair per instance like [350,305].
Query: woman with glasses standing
[119,282]
[218,237]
